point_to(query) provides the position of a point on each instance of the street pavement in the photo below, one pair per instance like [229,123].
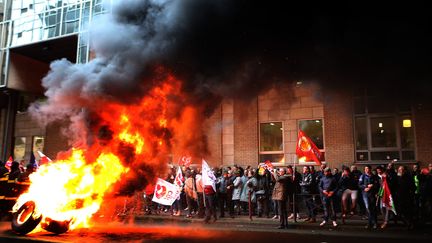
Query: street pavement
[166,228]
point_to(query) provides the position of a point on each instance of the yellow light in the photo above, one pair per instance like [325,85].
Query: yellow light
[406,123]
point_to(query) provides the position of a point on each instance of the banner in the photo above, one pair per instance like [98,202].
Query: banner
[307,149]
[165,193]
[208,176]
[179,178]
[267,165]
[185,161]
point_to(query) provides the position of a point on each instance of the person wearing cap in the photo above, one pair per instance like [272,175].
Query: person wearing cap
[328,187]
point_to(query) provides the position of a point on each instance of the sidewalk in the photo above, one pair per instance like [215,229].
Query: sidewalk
[354,226]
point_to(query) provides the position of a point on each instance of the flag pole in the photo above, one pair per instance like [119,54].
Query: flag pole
[294,196]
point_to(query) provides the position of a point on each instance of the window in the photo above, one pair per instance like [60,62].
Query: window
[314,130]
[383,128]
[271,142]
[19,148]
[38,144]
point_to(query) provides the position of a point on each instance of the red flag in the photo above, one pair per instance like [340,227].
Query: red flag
[307,149]
[185,161]
[8,163]
[43,158]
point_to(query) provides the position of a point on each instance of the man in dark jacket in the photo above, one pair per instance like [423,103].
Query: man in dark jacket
[306,189]
[328,187]
[369,186]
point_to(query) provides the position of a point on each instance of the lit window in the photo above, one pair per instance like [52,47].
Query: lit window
[314,130]
[271,142]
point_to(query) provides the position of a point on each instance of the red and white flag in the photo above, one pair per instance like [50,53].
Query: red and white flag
[185,161]
[267,165]
[43,158]
[386,197]
[8,163]
[306,149]
[208,177]
[179,179]
[165,193]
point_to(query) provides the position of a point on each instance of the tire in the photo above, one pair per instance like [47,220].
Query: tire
[56,227]
[24,220]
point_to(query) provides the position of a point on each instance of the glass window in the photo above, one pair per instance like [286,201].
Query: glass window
[38,144]
[406,132]
[314,130]
[271,142]
[387,155]
[361,133]
[19,148]
[383,131]
[271,135]
[274,158]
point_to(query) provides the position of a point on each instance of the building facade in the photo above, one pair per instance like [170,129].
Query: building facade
[355,124]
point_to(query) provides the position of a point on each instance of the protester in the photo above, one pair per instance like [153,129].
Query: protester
[328,187]
[280,195]
[369,185]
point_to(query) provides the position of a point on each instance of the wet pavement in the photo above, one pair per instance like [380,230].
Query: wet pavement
[166,228]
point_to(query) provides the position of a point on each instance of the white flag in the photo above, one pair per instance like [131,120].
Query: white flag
[179,178]
[165,193]
[208,178]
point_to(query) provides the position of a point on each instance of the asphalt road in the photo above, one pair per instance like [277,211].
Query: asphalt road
[173,229]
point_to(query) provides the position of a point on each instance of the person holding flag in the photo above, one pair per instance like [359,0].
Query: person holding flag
[178,181]
[209,184]
[385,198]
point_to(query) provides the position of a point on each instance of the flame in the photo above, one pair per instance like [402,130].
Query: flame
[74,188]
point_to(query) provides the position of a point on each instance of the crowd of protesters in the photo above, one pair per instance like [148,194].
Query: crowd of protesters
[285,193]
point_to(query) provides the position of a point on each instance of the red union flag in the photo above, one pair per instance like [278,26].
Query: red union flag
[185,161]
[165,193]
[307,149]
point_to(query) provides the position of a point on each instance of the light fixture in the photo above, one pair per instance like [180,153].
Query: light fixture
[382,131]
[272,124]
[317,121]
[406,123]
[380,124]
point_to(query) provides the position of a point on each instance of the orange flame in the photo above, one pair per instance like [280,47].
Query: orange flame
[72,189]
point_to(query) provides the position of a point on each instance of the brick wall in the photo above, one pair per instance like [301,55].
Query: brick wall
[289,104]
[227,135]
[246,133]
[212,126]
[423,122]
[338,128]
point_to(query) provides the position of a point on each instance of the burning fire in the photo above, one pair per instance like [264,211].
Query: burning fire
[73,189]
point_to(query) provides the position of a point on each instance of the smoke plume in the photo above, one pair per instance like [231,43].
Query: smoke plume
[223,49]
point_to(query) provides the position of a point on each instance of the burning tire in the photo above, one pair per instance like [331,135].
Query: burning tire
[55,226]
[24,220]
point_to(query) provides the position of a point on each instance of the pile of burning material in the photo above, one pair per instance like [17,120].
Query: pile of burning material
[65,194]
